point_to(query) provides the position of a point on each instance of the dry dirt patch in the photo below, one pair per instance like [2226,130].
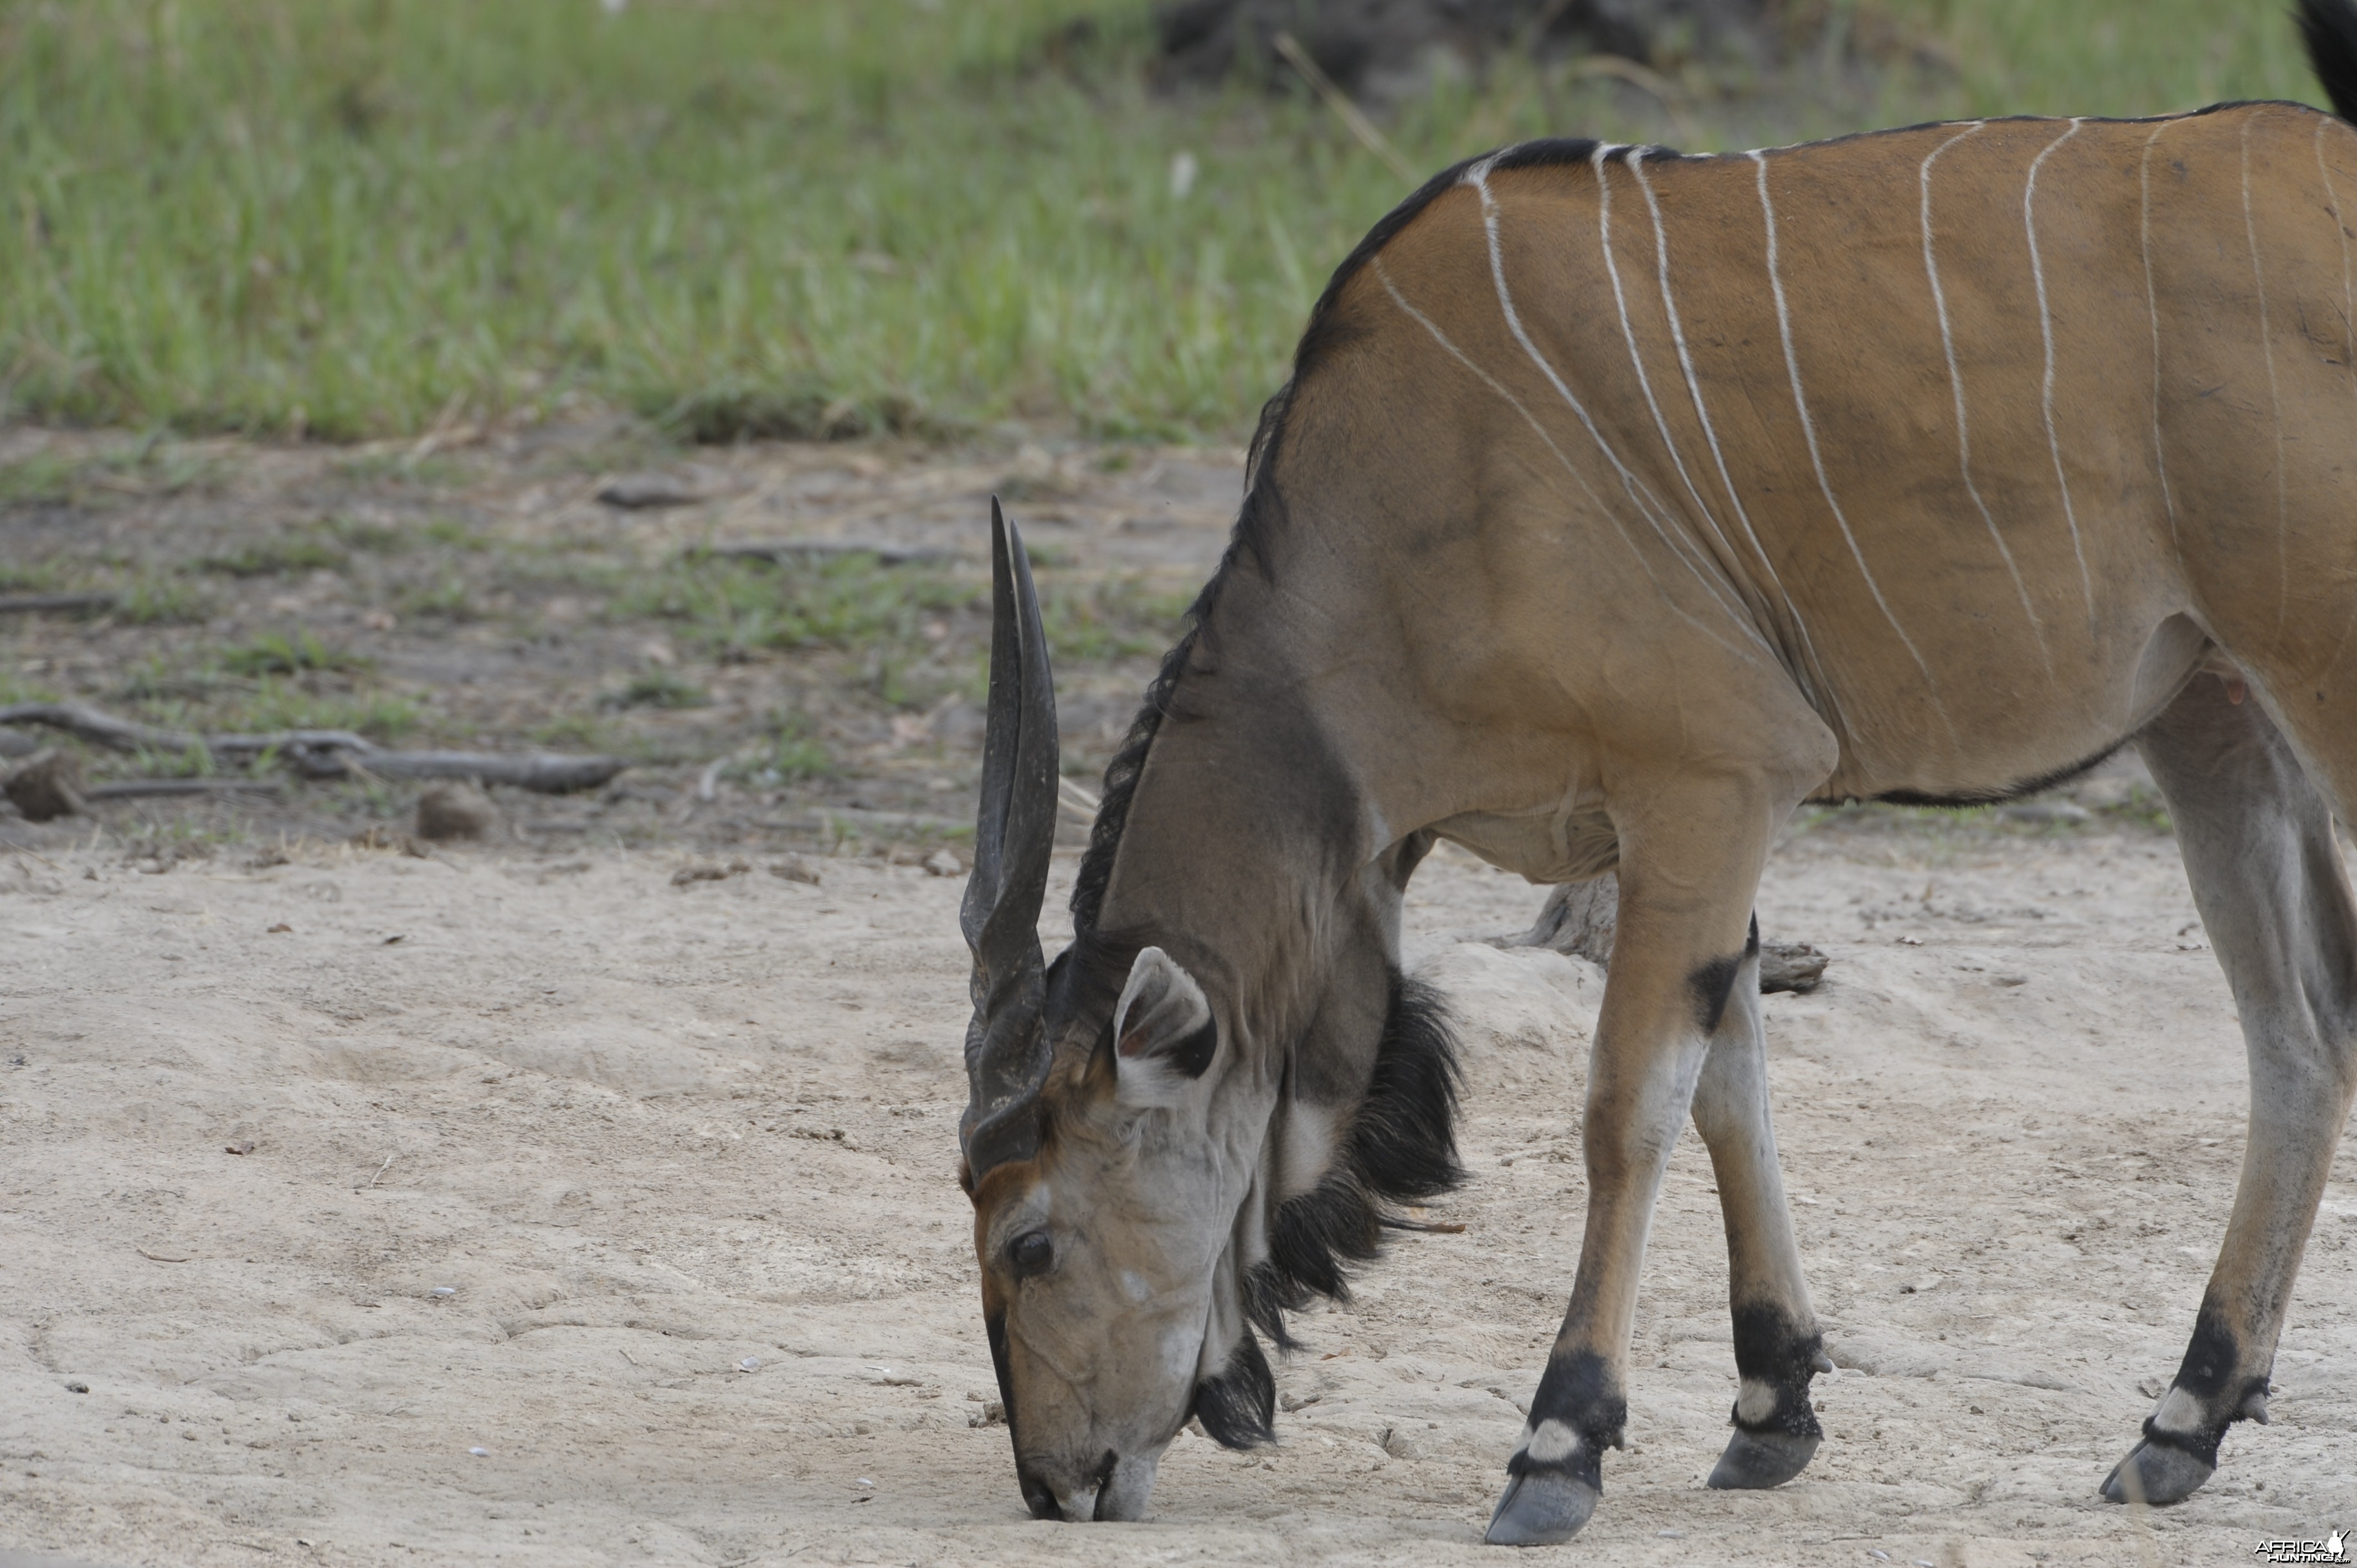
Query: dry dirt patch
[543,1210]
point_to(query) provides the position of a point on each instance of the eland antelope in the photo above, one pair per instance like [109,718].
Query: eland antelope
[1619,502]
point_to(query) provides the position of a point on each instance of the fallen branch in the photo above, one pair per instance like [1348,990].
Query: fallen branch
[316,752]
[779,552]
[99,729]
[58,603]
[543,773]
[137,789]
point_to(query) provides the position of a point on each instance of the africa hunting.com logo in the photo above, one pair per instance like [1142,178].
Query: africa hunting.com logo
[2333,1548]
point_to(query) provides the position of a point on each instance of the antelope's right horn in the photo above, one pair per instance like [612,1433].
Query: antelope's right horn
[1007,1051]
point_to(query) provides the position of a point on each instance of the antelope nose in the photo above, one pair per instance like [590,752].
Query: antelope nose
[1079,1505]
[1038,1497]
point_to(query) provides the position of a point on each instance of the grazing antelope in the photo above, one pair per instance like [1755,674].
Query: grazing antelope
[1619,503]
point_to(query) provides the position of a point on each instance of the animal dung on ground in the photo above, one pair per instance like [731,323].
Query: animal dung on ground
[455,810]
[48,786]
[1790,966]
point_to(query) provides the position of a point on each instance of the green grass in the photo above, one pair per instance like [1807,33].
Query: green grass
[793,217]
[277,557]
[445,597]
[793,753]
[157,600]
[287,653]
[726,606]
[658,687]
[282,705]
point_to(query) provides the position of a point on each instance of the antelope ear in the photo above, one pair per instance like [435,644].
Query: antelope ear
[1164,1035]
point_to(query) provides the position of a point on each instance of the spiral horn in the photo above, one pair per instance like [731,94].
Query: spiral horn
[1007,1051]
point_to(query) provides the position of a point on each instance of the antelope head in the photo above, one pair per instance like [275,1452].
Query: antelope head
[1104,1200]
[1145,1187]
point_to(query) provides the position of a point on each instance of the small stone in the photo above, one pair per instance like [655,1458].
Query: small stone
[48,784]
[709,871]
[480,1452]
[446,1290]
[942,863]
[77,1388]
[455,810]
[243,1146]
[749,1364]
[794,868]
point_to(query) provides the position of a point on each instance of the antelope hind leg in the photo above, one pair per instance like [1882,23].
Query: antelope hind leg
[1778,1348]
[2257,839]
[1690,865]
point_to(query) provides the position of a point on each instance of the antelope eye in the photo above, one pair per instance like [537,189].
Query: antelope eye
[1031,1254]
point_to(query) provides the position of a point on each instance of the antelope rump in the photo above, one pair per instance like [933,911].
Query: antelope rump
[1619,502]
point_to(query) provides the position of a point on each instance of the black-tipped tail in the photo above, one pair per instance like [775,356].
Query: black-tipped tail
[2330,28]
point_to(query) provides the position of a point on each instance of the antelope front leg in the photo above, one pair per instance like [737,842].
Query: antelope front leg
[1688,870]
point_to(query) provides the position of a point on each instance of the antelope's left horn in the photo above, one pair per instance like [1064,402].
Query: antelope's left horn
[1006,1052]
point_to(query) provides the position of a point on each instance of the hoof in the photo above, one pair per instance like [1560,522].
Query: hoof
[1542,1509]
[2155,1472]
[1754,1461]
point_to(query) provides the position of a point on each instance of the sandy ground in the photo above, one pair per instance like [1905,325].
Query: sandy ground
[582,1218]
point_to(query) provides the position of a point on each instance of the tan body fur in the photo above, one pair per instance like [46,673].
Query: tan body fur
[1623,503]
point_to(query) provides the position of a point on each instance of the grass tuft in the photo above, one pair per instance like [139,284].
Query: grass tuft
[659,687]
[288,654]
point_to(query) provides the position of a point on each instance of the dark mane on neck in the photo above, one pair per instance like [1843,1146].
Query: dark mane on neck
[1401,1148]
[1257,523]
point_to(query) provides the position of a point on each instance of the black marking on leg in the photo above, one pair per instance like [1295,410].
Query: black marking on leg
[2211,1372]
[2201,1445]
[1714,986]
[1771,1350]
[1576,1393]
[2210,1356]
[1238,1405]
[1751,942]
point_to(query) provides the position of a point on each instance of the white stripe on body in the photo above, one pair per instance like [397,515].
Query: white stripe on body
[2275,396]
[1957,384]
[1648,505]
[2152,305]
[1811,663]
[1540,430]
[1629,335]
[2349,330]
[1816,458]
[2046,331]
